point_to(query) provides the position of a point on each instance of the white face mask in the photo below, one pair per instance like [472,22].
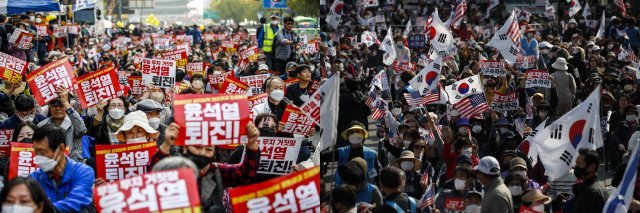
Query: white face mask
[396,111]
[515,190]
[157,96]
[466,152]
[154,122]
[538,208]
[45,163]
[277,95]
[197,84]
[355,138]
[406,144]
[543,114]
[462,130]
[16,208]
[476,129]
[628,87]
[406,165]
[472,209]
[631,118]
[27,119]
[459,184]
[137,140]
[116,113]
[521,173]
[274,22]
[545,51]
[38,20]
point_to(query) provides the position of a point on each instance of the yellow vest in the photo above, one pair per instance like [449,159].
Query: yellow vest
[269,36]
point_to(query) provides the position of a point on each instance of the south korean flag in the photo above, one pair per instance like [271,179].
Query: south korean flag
[559,142]
[440,37]
[428,77]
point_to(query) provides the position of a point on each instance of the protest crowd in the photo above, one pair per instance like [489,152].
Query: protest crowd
[157,118]
[480,108]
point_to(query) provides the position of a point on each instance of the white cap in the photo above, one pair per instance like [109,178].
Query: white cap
[263,67]
[488,165]
[545,44]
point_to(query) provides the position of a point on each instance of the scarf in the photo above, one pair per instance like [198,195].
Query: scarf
[114,125]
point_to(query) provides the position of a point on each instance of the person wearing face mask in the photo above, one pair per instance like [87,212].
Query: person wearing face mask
[354,173]
[588,194]
[620,136]
[534,201]
[285,40]
[541,114]
[300,92]
[515,183]
[473,201]
[462,146]
[628,86]
[136,129]
[573,29]
[158,95]
[68,183]
[23,134]
[197,82]
[410,165]
[213,176]
[403,53]
[266,38]
[452,195]
[105,125]
[25,112]
[24,194]
[518,166]
[67,118]
[276,102]
[529,44]
[290,71]
[565,86]
[545,48]
[153,111]
[392,182]
[409,137]
[41,41]
[356,134]
[497,197]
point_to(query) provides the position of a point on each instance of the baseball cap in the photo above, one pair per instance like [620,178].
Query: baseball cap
[291,64]
[488,165]
[263,67]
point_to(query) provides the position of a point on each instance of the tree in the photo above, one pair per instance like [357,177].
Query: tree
[239,10]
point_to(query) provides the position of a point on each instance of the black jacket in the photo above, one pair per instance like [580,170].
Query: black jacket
[589,195]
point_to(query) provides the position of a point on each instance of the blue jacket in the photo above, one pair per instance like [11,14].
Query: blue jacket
[74,192]
[530,47]
[13,121]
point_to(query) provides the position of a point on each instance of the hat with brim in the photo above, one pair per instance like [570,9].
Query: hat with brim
[148,105]
[535,195]
[351,172]
[345,133]
[560,64]
[137,118]
[517,162]
[408,155]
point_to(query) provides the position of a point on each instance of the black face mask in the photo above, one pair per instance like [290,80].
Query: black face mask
[199,160]
[268,131]
[26,140]
[580,172]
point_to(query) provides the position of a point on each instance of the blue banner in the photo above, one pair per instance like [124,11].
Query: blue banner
[274,4]
[16,7]
[417,41]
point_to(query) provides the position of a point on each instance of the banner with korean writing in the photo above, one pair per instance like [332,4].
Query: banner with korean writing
[161,43]
[402,66]
[43,81]
[160,73]
[73,29]
[22,39]
[417,41]
[161,191]
[277,155]
[525,62]
[232,85]
[59,31]
[117,162]
[229,47]
[247,56]
[180,56]
[123,77]
[257,99]
[12,68]
[290,81]
[5,138]
[196,67]
[255,83]
[42,30]
[493,68]
[21,160]
[537,78]
[505,102]
[312,107]
[96,86]
[311,48]
[208,120]
[296,192]
[217,78]
[135,83]
[295,121]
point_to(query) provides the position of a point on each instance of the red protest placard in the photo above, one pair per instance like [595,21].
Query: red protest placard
[208,36]
[42,30]
[73,29]
[312,107]
[59,31]
[297,192]
[5,138]
[21,160]
[161,73]
[229,46]
[22,39]
[247,56]
[184,46]
[312,47]
[135,83]
[43,81]
[290,82]
[96,86]
[196,67]
[216,78]
[454,204]
[255,82]
[257,99]
[180,56]
[232,85]
[160,191]
[117,162]
[295,121]
[209,120]
[12,68]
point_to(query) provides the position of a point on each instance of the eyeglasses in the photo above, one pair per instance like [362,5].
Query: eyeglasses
[116,105]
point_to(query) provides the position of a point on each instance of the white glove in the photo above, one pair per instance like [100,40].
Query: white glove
[621,147]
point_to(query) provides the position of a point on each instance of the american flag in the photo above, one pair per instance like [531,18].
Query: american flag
[530,108]
[460,11]
[414,98]
[472,105]
[432,136]
[372,97]
[428,198]
[621,7]
[433,96]
[631,56]
[380,109]
[514,32]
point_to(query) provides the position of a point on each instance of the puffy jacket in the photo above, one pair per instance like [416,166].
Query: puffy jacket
[75,190]
[74,129]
